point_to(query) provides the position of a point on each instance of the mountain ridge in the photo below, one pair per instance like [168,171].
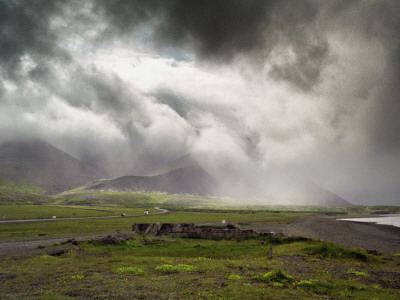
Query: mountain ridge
[44,165]
[188,180]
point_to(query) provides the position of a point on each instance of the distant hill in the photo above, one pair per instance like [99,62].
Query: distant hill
[44,166]
[316,195]
[181,176]
[185,161]
[189,180]
[309,193]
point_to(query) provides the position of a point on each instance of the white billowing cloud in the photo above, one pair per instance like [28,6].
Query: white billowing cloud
[167,130]
[229,104]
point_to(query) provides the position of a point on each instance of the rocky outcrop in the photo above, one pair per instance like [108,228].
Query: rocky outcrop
[229,231]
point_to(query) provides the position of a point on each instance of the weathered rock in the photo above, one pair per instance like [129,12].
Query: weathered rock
[115,238]
[57,252]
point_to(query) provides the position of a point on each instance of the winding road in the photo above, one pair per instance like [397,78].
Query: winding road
[162,211]
[14,246]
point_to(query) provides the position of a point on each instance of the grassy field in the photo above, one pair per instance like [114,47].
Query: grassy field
[193,203]
[24,186]
[166,268]
[59,228]
[127,199]
[184,208]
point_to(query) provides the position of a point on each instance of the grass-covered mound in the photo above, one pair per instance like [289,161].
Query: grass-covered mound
[333,251]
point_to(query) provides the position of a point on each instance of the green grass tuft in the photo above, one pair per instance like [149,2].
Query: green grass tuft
[181,268]
[358,273]
[277,276]
[130,270]
[305,283]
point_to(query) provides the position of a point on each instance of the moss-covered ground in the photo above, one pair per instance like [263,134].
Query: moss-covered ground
[166,268]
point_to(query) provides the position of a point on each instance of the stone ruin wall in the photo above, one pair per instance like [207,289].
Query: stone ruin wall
[193,231]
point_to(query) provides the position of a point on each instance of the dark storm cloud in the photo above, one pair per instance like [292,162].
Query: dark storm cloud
[213,29]
[380,21]
[296,26]
[304,72]
[384,124]
[25,30]
[219,31]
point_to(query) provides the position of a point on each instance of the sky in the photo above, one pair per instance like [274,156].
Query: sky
[259,89]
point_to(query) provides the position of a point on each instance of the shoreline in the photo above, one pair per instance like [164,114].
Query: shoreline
[380,218]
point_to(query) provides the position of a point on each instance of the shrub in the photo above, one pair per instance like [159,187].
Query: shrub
[234,277]
[277,276]
[118,238]
[277,240]
[130,271]
[176,269]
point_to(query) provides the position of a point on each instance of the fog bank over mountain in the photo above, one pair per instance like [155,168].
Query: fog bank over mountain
[44,166]
[263,91]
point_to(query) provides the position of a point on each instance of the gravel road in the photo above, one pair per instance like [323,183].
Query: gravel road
[383,238]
